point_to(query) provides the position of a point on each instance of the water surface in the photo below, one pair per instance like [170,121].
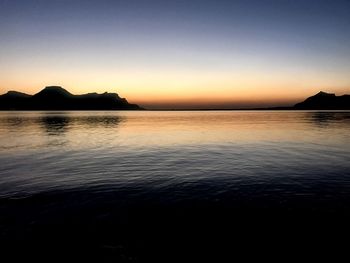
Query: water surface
[117,182]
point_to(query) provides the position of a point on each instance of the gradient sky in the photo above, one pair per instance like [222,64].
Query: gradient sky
[177,54]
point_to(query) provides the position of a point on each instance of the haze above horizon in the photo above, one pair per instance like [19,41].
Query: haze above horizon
[178,54]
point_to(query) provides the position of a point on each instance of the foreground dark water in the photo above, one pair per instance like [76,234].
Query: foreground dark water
[172,186]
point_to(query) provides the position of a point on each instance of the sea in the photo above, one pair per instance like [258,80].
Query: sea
[172,186]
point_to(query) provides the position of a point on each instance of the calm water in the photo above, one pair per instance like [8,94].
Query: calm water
[122,185]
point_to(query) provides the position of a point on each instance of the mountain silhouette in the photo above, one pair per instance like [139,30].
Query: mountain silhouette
[319,101]
[324,101]
[57,98]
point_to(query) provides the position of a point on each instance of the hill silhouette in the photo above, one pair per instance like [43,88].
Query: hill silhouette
[57,98]
[319,101]
[324,101]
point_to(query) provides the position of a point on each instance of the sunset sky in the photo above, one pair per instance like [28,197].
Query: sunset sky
[178,54]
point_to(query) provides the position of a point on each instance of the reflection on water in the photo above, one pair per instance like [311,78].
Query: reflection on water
[54,122]
[55,125]
[103,121]
[58,124]
[126,184]
[331,117]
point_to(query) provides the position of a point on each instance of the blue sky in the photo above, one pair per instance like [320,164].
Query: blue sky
[178,53]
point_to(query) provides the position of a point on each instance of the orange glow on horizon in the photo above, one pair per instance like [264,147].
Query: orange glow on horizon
[187,89]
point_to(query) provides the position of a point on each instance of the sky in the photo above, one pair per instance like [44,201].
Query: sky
[178,54]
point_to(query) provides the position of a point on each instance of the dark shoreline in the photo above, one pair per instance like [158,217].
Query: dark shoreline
[111,225]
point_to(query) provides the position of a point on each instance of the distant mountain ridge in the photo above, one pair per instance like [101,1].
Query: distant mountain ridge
[58,98]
